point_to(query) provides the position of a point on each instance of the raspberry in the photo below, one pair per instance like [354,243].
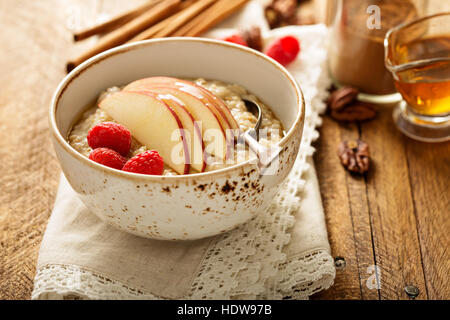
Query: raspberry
[236,39]
[108,157]
[110,135]
[284,50]
[148,162]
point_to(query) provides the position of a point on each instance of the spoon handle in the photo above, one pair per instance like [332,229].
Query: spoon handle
[265,155]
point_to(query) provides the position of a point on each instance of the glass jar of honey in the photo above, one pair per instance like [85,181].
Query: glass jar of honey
[418,56]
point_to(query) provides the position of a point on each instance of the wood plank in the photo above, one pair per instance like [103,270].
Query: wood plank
[429,170]
[345,204]
[362,234]
[391,206]
[333,189]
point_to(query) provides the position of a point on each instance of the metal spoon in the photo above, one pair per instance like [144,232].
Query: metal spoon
[253,107]
[265,155]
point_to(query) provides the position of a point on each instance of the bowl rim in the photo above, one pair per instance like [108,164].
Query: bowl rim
[65,83]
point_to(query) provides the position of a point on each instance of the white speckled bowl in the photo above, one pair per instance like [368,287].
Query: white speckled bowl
[176,207]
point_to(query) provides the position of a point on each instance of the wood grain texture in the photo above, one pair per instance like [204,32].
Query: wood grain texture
[347,213]
[397,217]
[408,203]
[399,211]
[394,226]
[334,192]
[429,170]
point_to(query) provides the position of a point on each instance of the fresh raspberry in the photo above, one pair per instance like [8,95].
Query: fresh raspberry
[108,157]
[235,38]
[284,50]
[110,135]
[148,162]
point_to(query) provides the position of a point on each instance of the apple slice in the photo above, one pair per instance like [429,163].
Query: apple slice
[191,127]
[213,134]
[223,112]
[226,113]
[153,123]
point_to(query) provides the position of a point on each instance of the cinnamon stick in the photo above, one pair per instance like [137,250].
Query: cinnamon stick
[114,23]
[191,24]
[184,17]
[127,31]
[217,13]
[150,32]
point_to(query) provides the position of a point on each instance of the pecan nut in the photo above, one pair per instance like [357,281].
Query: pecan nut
[355,156]
[341,97]
[359,111]
[281,12]
[344,106]
[252,37]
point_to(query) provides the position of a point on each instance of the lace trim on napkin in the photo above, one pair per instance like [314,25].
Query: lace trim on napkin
[248,262]
[69,282]
[301,277]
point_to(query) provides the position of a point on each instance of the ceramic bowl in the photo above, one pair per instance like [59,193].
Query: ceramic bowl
[177,207]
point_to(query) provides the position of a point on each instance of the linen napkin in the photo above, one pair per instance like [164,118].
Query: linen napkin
[283,253]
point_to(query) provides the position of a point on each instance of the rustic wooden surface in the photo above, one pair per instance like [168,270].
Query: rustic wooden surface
[396,218]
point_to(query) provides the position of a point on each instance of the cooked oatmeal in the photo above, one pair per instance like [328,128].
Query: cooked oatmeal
[230,94]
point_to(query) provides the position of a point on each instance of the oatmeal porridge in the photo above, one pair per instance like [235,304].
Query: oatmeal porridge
[230,97]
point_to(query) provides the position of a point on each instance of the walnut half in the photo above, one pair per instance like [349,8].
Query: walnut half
[355,156]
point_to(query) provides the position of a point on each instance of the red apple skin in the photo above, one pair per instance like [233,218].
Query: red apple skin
[216,101]
[187,159]
[222,108]
[196,127]
[155,90]
[212,102]
[124,99]
[199,94]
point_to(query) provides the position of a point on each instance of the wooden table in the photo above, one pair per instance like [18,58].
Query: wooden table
[395,218]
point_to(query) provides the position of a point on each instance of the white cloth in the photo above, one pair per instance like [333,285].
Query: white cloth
[283,253]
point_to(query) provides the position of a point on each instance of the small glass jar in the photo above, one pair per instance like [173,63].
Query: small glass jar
[356,54]
[418,56]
